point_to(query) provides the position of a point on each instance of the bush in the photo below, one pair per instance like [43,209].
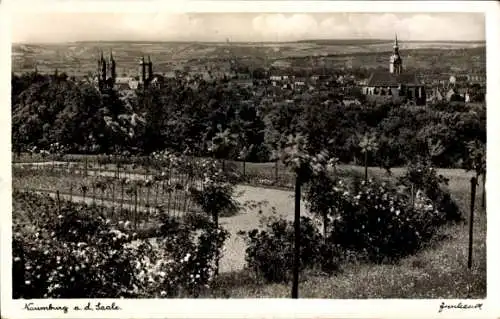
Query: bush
[182,263]
[422,176]
[215,196]
[76,253]
[321,199]
[381,225]
[377,221]
[270,251]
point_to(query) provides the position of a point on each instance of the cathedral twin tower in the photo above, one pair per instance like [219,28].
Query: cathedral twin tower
[106,72]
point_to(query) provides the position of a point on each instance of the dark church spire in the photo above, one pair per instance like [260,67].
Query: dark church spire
[112,66]
[103,67]
[142,71]
[150,68]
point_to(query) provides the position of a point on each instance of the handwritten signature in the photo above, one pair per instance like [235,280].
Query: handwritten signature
[459,305]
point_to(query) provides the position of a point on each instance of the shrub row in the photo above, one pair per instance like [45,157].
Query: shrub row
[371,221]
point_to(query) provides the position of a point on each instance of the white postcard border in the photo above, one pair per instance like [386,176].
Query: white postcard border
[264,308]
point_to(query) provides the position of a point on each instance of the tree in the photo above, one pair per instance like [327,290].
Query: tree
[296,157]
[243,155]
[216,194]
[222,144]
[368,143]
[476,161]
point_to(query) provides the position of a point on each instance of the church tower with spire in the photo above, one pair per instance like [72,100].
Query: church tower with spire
[106,72]
[145,71]
[112,68]
[101,71]
[396,63]
[142,70]
[150,68]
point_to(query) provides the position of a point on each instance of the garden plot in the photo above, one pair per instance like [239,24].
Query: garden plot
[255,202]
[233,258]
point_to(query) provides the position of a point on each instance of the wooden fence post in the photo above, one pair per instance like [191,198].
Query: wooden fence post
[412,196]
[86,167]
[473,183]
[296,253]
[276,172]
[244,169]
[113,200]
[483,195]
[135,208]
[58,202]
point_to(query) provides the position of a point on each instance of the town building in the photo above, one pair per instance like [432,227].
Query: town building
[107,79]
[281,64]
[396,84]
[106,72]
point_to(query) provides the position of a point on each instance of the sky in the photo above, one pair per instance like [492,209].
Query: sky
[254,27]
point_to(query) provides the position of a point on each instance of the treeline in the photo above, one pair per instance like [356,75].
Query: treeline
[184,117]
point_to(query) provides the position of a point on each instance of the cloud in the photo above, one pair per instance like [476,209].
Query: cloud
[282,27]
[426,27]
[159,26]
[409,27]
[156,26]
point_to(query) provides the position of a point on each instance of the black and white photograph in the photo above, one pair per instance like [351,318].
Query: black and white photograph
[243,155]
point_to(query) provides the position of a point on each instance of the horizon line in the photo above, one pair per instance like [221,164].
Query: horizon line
[245,42]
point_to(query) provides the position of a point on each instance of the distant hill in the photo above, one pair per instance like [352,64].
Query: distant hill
[345,41]
[79,58]
[383,41]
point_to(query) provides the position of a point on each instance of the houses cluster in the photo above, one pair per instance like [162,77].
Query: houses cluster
[399,85]
[395,84]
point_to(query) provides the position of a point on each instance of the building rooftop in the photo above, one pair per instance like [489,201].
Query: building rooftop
[123,79]
[387,79]
[122,86]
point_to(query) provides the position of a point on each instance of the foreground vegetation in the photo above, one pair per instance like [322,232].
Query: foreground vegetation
[68,250]
[438,271]
[420,269]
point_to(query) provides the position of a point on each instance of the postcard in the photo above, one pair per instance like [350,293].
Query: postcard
[284,159]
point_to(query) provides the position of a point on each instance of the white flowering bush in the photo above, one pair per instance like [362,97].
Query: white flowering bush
[215,194]
[422,176]
[376,222]
[67,251]
[71,251]
[182,261]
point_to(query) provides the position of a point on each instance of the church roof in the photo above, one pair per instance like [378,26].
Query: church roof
[386,79]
